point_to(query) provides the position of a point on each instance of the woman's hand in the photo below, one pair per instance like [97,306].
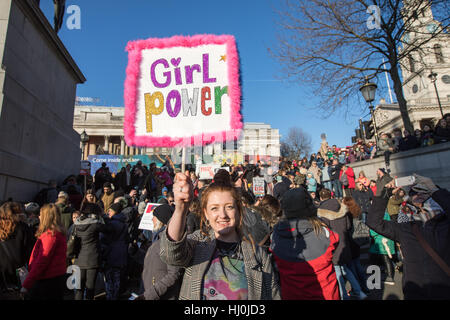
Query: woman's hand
[183,192]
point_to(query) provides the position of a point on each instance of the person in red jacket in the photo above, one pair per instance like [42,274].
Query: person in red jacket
[349,181]
[47,265]
[302,247]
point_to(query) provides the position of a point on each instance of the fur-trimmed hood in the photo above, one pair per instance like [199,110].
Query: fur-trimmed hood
[332,209]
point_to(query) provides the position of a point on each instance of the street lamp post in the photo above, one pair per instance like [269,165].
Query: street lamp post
[84,139]
[368,90]
[433,78]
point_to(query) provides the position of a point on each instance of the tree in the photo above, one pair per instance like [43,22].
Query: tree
[297,144]
[335,44]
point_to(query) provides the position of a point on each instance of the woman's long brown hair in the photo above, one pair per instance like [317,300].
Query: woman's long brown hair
[50,217]
[8,220]
[352,206]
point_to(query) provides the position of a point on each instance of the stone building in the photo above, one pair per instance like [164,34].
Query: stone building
[104,126]
[419,90]
[38,81]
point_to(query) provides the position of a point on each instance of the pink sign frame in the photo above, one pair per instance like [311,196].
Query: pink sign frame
[131,91]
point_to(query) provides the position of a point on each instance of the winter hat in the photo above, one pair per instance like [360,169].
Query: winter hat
[107,185]
[62,194]
[163,213]
[164,190]
[382,170]
[297,203]
[31,208]
[116,207]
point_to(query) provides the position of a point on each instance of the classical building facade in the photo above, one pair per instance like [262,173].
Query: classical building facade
[420,93]
[104,126]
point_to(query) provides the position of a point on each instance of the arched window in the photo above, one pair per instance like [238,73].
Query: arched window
[411,64]
[438,53]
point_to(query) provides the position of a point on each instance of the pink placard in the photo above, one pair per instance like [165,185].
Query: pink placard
[182,91]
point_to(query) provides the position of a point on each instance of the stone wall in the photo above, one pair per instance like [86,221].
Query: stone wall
[432,162]
[38,87]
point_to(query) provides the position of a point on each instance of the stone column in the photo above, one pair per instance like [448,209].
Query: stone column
[122,145]
[106,146]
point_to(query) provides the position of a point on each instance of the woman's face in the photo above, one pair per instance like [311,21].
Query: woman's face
[90,197]
[222,214]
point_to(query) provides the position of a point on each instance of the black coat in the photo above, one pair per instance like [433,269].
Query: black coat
[334,171]
[161,281]
[15,252]
[363,199]
[88,229]
[408,143]
[422,277]
[114,241]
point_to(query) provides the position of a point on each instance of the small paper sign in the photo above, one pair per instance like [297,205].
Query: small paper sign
[258,187]
[147,218]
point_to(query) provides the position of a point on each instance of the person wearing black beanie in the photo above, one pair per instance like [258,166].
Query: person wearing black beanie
[302,247]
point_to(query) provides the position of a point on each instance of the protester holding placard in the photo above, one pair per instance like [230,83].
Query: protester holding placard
[247,267]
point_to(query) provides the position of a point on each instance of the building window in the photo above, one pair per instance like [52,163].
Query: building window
[438,53]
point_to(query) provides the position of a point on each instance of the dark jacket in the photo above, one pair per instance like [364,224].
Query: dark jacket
[335,216]
[192,223]
[255,225]
[363,199]
[441,134]
[114,241]
[408,143]
[15,252]
[334,172]
[304,260]
[88,229]
[161,281]
[422,278]
[66,214]
[279,189]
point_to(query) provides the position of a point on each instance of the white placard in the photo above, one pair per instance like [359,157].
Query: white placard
[147,218]
[258,187]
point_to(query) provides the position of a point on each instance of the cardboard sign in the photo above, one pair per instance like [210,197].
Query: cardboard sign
[258,187]
[85,167]
[207,171]
[147,217]
[182,91]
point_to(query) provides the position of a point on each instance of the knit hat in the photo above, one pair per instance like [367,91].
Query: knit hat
[116,207]
[163,213]
[107,185]
[297,203]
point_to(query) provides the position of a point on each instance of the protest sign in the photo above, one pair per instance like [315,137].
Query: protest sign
[182,91]
[207,171]
[147,218]
[258,187]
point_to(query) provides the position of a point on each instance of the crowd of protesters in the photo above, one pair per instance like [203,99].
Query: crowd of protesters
[396,141]
[214,239]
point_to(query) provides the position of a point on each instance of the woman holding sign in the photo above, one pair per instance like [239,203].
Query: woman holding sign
[220,263]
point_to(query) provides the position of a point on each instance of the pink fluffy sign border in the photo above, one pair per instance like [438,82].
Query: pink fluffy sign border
[182,91]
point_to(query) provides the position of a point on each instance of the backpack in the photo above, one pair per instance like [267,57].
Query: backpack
[344,180]
[41,197]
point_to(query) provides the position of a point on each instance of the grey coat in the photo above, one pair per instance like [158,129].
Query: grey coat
[194,252]
[161,281]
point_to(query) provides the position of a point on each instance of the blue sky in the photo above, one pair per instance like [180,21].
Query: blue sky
[107,26]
